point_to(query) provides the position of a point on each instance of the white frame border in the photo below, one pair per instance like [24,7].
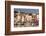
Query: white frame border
[25,28]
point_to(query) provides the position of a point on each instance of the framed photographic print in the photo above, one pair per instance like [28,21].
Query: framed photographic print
[24,17]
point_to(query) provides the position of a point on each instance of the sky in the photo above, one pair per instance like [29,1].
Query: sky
[27,10]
